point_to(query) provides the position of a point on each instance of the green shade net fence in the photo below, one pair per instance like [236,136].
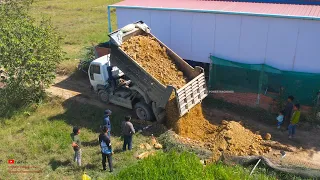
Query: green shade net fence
[263,79]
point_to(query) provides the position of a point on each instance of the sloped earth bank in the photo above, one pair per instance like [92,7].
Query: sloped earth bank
[229,137]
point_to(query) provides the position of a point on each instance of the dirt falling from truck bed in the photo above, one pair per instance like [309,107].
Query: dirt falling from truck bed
[231,138]
[148,53]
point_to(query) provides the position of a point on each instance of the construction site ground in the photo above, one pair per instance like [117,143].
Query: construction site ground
[302,151]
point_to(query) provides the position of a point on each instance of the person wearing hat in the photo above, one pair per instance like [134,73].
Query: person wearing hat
[106,121]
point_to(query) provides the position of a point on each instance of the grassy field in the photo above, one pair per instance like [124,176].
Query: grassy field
[42,138]
[81,23]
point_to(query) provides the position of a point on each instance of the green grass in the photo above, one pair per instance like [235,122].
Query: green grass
[185,166]
[41,138]
[81,23]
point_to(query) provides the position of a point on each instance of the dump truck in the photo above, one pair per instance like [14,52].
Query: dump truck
[120,80]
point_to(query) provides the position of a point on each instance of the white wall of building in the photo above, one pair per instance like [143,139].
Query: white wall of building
[286,44]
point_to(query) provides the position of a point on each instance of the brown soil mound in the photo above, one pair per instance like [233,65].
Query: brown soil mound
[233,139]
[148,53]
[230,137]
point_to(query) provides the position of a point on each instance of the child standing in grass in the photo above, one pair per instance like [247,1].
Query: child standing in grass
[280,119]
[294,120]
[106,149]
[76,144]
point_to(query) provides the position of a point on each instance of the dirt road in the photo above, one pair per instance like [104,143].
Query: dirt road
[303,150]
[75,87]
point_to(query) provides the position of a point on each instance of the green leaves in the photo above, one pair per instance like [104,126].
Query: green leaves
[29,54]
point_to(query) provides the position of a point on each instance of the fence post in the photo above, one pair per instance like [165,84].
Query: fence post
[260,83]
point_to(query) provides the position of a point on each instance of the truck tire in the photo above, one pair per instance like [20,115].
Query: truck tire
[143,111]
[103,96]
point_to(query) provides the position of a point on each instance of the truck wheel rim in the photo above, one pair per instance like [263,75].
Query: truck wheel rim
[141,113]
[104,97]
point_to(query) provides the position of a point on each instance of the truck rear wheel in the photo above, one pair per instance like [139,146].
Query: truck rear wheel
[103,96]
[143,111]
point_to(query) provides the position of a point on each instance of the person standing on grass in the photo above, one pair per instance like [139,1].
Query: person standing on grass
[288,111]
[127,132]
[76,144]
[106,121]
[106,149]
[294,121]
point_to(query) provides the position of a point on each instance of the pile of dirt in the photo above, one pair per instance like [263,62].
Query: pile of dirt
[230,137]
[148,53]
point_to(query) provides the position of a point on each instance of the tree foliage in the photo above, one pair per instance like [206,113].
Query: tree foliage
[29,53]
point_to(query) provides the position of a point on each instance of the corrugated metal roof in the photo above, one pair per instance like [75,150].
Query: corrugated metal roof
[228,7]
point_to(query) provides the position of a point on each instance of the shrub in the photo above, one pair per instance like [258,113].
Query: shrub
[28,58]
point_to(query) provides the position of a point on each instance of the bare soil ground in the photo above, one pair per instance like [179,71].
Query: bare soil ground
[303,150]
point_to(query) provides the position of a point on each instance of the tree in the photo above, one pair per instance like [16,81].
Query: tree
[29,54]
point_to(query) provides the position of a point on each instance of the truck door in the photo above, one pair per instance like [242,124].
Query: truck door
[95,75]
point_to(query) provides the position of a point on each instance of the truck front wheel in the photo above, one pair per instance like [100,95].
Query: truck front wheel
[103,96]
[143,111]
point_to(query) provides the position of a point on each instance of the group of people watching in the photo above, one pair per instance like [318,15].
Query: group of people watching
[289,117]
[104,140]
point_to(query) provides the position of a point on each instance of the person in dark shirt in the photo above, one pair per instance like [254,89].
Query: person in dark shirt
[288,111]
[76,144]
[106,121]
[106,149]
[127,132]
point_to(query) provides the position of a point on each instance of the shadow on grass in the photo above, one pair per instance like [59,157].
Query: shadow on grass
[91,166]
[91,143]
[57,163]
[89,116]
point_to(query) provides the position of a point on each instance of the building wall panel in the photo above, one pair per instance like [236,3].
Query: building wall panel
[227,35]
[253,39]
[161,26]
[308,47]
[286,44]
[181,29]
[203,29]
[281,44]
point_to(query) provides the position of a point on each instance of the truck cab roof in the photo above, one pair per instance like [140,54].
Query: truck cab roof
[102,60]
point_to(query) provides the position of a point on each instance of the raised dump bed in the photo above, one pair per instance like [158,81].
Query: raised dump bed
[187,96]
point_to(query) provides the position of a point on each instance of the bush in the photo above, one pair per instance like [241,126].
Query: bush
[88,56]
[29,55]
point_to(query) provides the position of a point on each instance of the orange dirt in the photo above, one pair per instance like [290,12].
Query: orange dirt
[148,53]
[233,139]
[230,137]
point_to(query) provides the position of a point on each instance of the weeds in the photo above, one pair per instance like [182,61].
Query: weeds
[173,165]
[172,144]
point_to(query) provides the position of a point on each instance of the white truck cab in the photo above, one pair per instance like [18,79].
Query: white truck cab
[99,71]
